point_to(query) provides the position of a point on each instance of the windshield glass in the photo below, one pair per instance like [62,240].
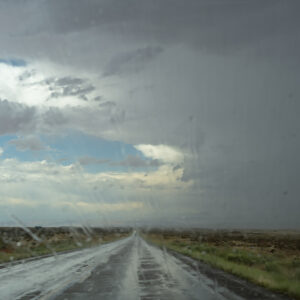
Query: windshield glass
[175,120]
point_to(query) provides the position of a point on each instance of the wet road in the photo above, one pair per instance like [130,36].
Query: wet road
[127,269]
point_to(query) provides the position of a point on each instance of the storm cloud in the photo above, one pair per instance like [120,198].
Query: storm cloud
[16,118]
[69,86]
[218,26]
[215,82]
[137,58]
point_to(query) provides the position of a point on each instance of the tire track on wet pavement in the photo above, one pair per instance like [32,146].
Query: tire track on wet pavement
[142,271]
[154,283]
[128,269]
[162,276]
[104,281]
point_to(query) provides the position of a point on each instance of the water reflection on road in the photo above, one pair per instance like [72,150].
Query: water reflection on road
[126,269]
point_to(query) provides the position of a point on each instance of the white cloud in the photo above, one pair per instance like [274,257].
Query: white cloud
[39,85]
[47,186]
[164,153]
[11,201]
[1,151]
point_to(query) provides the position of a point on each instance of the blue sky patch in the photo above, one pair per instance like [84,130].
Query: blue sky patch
[10,151]
[73,147]
[15,62]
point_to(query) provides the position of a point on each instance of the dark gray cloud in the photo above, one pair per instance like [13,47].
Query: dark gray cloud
[28,143]
[107,104]
[218,26]
[16,117]
[98,98]
[132,61]
[234,116]
[254,194]
[90,33]
[54,117]
[101,121]
[66,81]
[69,86]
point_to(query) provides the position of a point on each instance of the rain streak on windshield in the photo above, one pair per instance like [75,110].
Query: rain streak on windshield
[149,149]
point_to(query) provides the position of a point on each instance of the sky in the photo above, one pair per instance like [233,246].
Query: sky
[150,113]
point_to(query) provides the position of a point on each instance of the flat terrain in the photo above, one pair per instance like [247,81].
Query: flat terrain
[18,243]
[129,268]
[268,258]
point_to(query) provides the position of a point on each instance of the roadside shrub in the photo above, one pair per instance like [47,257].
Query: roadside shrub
[198,248]
[241,258]
[2,244]
[179,243]
[205,247]
[295,262]
[297,274]
[271,267]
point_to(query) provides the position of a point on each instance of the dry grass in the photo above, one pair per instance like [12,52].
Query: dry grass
[274,267]
[17,246]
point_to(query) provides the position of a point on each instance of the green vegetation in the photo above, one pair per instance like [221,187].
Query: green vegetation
[21,246]
[277,269]
[43,248]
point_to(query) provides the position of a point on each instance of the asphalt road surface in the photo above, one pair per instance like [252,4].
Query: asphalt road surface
[126,269]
